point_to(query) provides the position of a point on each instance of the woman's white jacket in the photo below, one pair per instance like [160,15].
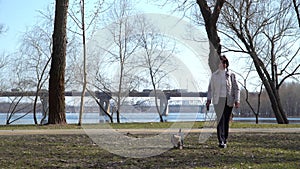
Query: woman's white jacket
[232,88]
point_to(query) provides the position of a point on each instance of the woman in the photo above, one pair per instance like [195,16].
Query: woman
[224,93]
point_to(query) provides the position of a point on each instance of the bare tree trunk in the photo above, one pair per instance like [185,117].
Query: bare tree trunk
[156,96]
[38,90]
[106,111]
[258,104]
[57,112]
[249,104]
[121,62]
[81,23]
[156,104]
[84,64]
[210,19]
[34,106]
[256,118]
[271,90]
[120,90]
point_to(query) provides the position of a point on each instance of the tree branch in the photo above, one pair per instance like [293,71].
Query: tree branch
[296,6]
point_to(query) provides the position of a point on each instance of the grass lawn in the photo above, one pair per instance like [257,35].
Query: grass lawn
[245,150]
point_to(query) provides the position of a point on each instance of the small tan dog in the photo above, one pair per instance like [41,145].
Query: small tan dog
[177,140]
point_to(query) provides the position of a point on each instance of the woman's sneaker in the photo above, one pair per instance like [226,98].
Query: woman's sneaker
[222,145]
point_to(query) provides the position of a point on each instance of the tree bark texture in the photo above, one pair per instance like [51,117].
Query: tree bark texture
[210,19]
[271,90]
[57,71]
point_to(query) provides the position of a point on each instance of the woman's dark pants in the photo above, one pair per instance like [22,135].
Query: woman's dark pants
[223,116]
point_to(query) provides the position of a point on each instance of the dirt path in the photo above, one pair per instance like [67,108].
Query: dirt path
[143,131]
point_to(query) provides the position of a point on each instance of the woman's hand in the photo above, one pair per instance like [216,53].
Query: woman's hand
[207,104]
[236,104]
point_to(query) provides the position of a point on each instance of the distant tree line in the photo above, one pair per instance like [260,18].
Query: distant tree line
[261,104]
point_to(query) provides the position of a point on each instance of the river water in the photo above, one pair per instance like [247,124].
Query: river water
[72,118]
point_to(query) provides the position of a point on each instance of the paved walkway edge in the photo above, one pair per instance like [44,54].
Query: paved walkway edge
[144,131]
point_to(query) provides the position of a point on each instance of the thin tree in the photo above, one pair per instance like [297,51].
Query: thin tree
[82,9]
[3,56]
[122,31]
[36,51]
[16,107]
[248,94]
[156,59]
[57,112]
[81,24]
[20,82]
[267,34]
[3,63]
